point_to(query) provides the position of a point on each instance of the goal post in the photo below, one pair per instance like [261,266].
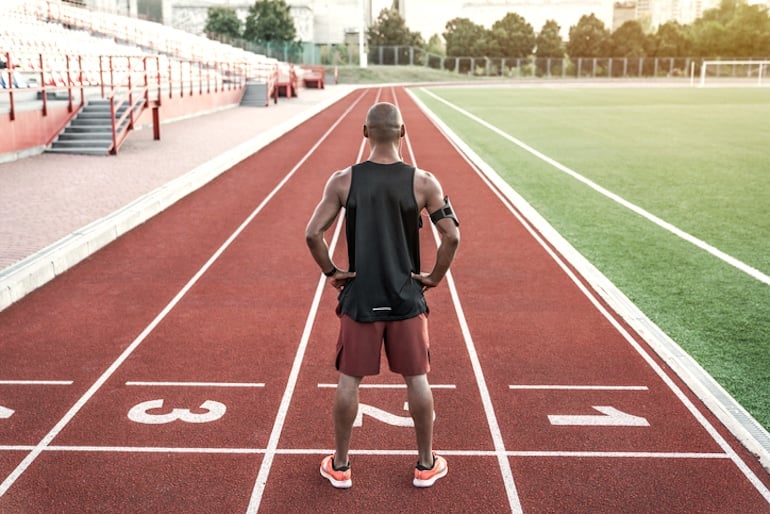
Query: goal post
[740,70]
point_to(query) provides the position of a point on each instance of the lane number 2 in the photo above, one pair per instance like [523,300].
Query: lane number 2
[384,416]
[5,412]
[140,413]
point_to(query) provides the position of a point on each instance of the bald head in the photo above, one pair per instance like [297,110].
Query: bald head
[384,123]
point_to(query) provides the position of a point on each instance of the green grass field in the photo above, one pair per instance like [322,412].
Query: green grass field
[697,158]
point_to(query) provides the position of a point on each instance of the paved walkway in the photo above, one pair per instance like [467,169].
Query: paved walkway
[57,209]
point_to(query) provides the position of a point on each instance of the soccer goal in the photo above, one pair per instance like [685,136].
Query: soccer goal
[755,72]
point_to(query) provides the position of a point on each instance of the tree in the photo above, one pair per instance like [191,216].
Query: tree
[588,38]
[749,32]
[223,21]
[435,45]
[671,40]
[629,40]
[269,20]
[464,38]
[511,37]
[548,43]
[389,29]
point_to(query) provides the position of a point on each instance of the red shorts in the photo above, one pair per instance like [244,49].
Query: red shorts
[406,345]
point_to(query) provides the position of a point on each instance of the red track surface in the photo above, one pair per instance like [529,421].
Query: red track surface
[125,315]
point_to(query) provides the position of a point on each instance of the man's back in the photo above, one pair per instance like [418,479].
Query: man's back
[382,227]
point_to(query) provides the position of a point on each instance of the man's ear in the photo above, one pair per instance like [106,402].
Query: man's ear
[403,130]
[366,132]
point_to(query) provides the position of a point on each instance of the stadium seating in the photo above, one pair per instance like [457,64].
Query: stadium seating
[313,76]
[54,29]
[58,50]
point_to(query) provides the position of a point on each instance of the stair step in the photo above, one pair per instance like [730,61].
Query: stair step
[83,143]
[94,114]
[85,136]
[88,129]
[80,151]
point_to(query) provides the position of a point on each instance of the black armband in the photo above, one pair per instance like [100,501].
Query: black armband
[446,211]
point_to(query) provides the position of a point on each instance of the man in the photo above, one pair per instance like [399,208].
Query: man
[381,296]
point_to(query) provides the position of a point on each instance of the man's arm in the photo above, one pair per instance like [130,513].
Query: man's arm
[429,193]
[327,209]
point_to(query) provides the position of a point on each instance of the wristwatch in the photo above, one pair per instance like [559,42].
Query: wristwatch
[331,272]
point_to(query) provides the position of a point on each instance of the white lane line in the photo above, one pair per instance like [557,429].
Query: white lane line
[283,408]
[195,384]
[29,459]
[369,452]
[732,261]
[623,455]
[486,400]
[36,382]
[577,388]
[513,202]
[388,386]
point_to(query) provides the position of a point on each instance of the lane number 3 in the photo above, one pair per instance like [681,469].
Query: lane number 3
[140,413]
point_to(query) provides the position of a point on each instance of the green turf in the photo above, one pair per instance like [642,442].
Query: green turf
[381,74]
[697,158]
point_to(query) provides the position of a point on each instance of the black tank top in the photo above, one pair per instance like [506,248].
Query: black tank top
[382,229]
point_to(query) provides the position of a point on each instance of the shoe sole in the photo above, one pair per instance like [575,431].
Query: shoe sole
[339,484]
[429,482]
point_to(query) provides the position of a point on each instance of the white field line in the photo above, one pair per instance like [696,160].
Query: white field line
[388,386]
[509,198]
[494,427]
[732,261]
[404,452]
[196,384]
[36,382]
[577,388]
[72,412]
[283,408]
[327,451]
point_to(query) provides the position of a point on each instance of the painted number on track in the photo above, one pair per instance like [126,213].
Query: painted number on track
[384,416]
[609,417]
[5,412]
[140,413]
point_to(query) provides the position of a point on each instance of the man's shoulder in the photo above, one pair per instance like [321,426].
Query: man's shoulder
[339,183]
[424,178]
[341,176]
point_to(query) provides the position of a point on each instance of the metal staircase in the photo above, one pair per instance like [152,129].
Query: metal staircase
[90,132]
[256,94]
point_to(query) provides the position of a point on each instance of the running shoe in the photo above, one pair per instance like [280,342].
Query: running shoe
[426,477]
[339,477]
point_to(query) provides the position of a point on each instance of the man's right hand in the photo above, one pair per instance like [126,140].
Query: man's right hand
[425,280]
[340,279]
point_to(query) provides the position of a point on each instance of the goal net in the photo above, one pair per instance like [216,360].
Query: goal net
[738,72]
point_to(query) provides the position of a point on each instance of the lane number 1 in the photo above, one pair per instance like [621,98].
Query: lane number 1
[610,417]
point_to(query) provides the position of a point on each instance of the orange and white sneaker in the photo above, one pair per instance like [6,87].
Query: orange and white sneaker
[339,477]
[426,477]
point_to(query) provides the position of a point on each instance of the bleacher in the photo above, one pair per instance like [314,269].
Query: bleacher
[53,48]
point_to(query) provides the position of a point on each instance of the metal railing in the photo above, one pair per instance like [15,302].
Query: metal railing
[553,67]
[32,78]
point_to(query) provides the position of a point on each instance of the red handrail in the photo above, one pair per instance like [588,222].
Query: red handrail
[117,100]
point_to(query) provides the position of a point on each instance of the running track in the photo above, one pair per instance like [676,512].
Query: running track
[188,367]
